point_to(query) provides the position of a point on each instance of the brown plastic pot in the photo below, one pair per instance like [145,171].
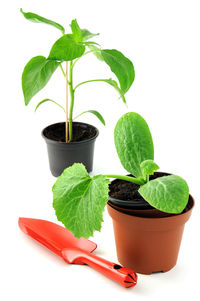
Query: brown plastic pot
[148,244]
[141,212]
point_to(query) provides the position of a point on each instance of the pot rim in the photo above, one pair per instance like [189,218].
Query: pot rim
[173,216]
[136,205]
[70,143]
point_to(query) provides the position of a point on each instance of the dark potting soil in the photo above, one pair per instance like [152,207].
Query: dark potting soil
[81,132]
[128,191]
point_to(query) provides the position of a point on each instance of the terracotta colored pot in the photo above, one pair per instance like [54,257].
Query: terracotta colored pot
[148,244]
[139,212]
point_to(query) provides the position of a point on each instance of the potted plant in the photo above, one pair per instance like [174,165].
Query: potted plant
[148,217]
[69,142]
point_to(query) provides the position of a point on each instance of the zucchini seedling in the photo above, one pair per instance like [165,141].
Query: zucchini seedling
[70,48]
[79,199]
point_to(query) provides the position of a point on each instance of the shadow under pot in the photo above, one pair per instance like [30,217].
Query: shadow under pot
[147,240]
[80,150]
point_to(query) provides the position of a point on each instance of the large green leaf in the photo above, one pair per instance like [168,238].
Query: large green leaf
[66,49]
[169,194]
[38,19]
[121,66]
[76,31]
[79,200]
[133,142]
[35,76]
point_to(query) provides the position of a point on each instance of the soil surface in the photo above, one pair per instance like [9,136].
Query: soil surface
[128,191]
[81,132]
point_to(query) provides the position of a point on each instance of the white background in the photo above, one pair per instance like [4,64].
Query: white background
[162,38]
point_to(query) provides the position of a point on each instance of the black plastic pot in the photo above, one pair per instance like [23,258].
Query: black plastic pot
[62,154]
[137,202]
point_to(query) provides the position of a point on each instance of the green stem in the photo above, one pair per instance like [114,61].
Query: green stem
[63,72]
[79,115]
[47,99]
[90,81]
[71,90]
[127,178]
[87,52]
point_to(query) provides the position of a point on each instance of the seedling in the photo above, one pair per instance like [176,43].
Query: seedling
[70,48]
[79,199]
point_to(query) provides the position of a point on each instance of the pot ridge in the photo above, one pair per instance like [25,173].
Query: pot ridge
[152,223]
[149,244]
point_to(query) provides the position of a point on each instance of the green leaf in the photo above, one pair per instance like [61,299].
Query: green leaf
[148,167]
[47,100]
[90,43]
[109,81]
[114,84]
[96,51]
[35,76]
[121,66]
[86,34]
[76,31]
[169,194]
[38,19]
[96,113]
[79,200]
[66,49]
[133,142]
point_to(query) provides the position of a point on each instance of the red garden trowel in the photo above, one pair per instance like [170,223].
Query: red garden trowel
[73,250]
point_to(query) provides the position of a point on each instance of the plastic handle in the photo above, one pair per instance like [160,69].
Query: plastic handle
[122,275]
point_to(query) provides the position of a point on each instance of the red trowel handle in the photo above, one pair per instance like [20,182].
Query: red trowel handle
[122,275]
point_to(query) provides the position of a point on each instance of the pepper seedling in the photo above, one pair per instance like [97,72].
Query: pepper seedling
[79,199]
[70,48]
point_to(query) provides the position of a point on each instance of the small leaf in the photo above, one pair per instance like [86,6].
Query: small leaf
[35,76]
[96,51]
[66,49]
[76,31]
[86,34]
[148,167]
[79,200]
[46,100]
[168,194]
[115,85]
[121,66]
[133,142]
[96,113]
[90,43]
[38,19]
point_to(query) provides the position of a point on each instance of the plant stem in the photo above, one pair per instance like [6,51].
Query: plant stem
[79,115]
[87,52]
[67,101]
[127,178]
[90,81]
[63,72]
[47,99]
[71,90]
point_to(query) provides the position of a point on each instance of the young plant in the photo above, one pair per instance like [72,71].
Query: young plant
[79,199]
[70,48]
